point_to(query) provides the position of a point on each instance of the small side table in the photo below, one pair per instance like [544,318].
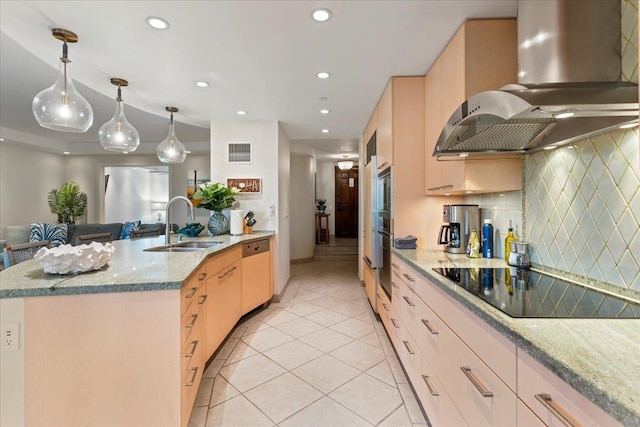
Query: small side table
[322,233]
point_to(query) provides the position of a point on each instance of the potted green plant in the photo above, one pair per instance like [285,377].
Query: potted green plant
[69,203]
[215,197]
[321,205]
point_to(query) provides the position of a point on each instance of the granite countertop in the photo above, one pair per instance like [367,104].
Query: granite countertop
[131,269]
[600,358]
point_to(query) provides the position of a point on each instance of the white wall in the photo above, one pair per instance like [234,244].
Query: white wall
[302,199]
[270,147]
[326,189]
[26,177]
[128,195]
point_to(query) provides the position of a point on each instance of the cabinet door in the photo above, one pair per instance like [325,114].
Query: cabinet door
[216,306]
[384,135]
[370,286]
[435,400]
[233,291]
[432,127]
[367,230]
[256,281]
[370,129]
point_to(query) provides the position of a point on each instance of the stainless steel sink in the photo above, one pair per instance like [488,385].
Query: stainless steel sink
[184,247]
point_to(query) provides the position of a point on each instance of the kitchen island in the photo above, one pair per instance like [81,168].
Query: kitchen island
[125,345]
[597,357]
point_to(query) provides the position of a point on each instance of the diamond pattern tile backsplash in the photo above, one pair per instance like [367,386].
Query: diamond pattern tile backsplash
[581,203]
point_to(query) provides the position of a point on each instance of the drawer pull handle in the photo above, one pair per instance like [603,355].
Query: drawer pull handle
[408,347]
[202,277]
[204,299]
[430,386]
[556,410]
[476,382]
[431,329]
[385,307]
[411,304]
[193,292]
[193,322]
[409,278]
[232,270]
[382,166]
[395,325]
[395,285]
[193,378]
[193,349]
[224,275]
[394,265]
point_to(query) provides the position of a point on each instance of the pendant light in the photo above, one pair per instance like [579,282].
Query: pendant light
[60,107]
[118,134]
[345,164]
[171,149]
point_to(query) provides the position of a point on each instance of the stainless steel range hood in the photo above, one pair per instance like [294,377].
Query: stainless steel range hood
[569,65]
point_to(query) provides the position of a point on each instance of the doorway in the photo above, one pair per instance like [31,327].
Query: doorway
[346,190]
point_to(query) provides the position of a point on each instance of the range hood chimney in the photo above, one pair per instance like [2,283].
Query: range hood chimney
[568,84]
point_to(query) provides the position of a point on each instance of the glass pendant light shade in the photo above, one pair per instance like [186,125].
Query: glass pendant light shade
[171,150]
[60,107]
[118,134]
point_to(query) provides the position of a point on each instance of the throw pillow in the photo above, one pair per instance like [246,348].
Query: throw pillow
[127,227]
[55,233]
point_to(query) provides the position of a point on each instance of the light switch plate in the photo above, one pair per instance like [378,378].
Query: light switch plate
[9,336]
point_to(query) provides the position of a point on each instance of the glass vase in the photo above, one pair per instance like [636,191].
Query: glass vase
[218,224]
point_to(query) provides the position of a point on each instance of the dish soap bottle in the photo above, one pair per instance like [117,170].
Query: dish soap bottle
[511,237]
[487,239]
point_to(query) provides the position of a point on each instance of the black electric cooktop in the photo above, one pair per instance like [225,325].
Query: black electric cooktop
[526,293]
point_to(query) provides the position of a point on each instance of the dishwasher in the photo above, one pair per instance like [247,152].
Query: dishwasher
[257,275]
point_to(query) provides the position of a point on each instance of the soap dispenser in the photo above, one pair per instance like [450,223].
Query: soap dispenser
[511,237]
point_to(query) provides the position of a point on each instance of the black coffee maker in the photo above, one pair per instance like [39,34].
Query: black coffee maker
[460,221]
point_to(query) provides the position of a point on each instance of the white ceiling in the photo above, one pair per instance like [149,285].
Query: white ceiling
[258,56]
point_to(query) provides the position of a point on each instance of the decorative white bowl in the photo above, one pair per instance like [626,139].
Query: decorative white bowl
[67,259]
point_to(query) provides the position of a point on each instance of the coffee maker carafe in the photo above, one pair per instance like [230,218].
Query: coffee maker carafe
[460,221]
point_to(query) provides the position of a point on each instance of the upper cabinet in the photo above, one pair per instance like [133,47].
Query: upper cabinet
[384,133]
[369,131]
[481,56]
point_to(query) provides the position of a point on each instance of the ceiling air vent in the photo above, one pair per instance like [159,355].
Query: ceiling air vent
[239,152]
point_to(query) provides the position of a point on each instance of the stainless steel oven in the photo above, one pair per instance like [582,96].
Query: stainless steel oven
[385,228]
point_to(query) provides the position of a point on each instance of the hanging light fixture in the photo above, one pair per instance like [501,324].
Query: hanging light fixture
[345,164]
[171,149]
[118,134]
[60,107]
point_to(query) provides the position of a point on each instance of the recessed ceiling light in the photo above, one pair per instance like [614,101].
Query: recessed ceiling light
[463,154]
[241,112]
[202,83]
[323,75]
[325,130]
[624,126]
[64,152]
[125,152]
[157,23]
[1,139]
[564,115]
[325,111]
[321,15]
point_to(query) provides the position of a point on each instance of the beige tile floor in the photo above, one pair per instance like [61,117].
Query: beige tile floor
[317,358]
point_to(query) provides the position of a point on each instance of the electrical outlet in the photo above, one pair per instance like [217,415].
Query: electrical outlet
[9,336]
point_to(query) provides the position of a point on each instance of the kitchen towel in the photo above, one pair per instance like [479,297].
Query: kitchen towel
[409,240]
[236,222]
[406,246]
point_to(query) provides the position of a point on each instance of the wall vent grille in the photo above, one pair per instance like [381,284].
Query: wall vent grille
[239,152]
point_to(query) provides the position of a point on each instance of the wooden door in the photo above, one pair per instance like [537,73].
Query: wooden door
[346,202]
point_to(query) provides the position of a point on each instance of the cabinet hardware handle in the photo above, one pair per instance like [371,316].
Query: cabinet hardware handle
[476,382]
[442,187]
[193,349]
[232,270]
[204,298]
[394,265]
[382,166]
[193,322]
[556,410]
[430,386]
[409,278]
[202,277]
[408,347]
[406,298]
[193,292]
[224,275]
[395,285]
[431,329]
[385,307]
[193,378]
[395,325]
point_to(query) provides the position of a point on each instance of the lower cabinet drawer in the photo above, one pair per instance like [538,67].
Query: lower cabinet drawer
[192,374]
[409,353]
[430,334]
[554,401]
[526,418]
[434,398]
[482,398]
[192,315]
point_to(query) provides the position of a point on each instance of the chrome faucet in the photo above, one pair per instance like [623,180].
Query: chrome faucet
[167,237]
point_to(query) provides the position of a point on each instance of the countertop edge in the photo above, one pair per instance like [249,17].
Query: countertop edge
[580,383]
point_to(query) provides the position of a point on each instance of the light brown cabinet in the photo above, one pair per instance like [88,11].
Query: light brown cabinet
[257,275]
[384,132]
[481,56]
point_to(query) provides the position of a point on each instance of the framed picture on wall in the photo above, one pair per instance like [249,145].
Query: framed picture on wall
[246,185]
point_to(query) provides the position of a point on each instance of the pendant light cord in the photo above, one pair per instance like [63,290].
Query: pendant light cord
[65,60]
